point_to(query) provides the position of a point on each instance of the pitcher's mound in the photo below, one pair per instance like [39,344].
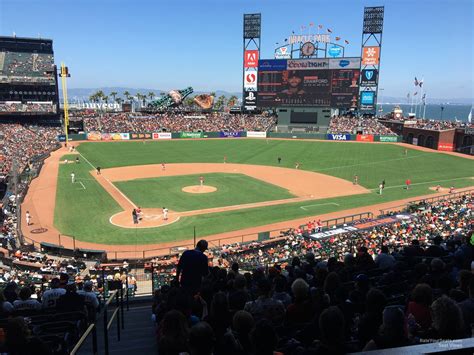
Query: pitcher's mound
[198,189]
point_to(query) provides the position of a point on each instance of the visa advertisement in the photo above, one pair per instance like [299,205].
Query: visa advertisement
[339,137]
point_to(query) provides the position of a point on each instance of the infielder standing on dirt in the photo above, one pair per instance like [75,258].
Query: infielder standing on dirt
[165,213]
[201,181]
[28,218]
[73,177]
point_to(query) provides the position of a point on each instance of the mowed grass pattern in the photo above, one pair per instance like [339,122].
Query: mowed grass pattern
[232,189]
[85,213]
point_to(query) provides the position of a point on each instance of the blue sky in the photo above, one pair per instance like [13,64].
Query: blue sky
[173,44]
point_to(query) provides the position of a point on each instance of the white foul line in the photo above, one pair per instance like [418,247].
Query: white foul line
[80,182]
[319,204]
[115,187]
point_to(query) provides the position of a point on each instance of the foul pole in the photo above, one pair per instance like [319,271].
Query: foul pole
[64,75]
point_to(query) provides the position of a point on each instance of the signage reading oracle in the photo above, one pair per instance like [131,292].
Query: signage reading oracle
[251,59]
[344,63]
[324,38]
[369,77]
[250,80]
[307,64]
[272,65]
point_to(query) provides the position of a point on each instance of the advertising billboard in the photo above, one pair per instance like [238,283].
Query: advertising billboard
[369,77]
[252,134]
[388,138]
[231,134]
[339,137]
[191,135]
[283,53]
[250,100]
[307,64]
[445,147]
[251,59]
[272,65]
[344,63]
[365,138]
[367,98]
[162,135]
[335,51]
[370,55]
[250,80]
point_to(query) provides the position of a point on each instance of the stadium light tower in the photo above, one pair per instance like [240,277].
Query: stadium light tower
[64,75]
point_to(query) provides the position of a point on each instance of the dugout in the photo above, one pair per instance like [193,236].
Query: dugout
[303,119]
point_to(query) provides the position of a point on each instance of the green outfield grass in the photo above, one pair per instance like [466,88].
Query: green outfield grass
[232,189]
[85,213]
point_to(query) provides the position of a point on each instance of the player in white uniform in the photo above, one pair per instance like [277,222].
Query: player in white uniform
[165,213]
[73,178]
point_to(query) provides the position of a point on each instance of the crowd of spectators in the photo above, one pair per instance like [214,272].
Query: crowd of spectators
[437,125]
[177,122]
[22,143]
[353,125]
[43,107]
[408,282]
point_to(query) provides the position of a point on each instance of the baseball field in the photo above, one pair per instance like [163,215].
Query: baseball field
[252,188]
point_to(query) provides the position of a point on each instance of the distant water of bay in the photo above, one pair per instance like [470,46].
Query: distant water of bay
[433,111]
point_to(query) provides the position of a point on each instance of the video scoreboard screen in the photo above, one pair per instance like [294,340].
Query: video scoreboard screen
[308,82]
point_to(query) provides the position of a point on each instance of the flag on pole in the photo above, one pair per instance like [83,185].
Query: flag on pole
[311,24]
[329,30]
[416,93]
[420,83]
[303,28]
[416,81]
[424,99]
[338,38]
[320,27]
[347,42]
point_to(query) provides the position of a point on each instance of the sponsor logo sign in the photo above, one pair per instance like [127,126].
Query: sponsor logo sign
[339,137]
[252,134]
[370,55]
[251,59]
[332,232]
[344,63]
[415,141]
[250,79]
[445,147]
[307,64]
[324,38]
[61,137]
[334,51]
[94,136]
[191,135]
[365,138]
[369,77]
[250,100]
[272,64]
[367,98]
[140,136]
[161,135]
[231,134]
[282,53]
[388,138]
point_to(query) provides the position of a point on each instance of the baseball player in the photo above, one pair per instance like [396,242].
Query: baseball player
[279,160]
[356,179]
[297,165]
[163,167]
[380,188]
[28,218]
[165,213]
[201,181]
[98,170]
[73,177]
[407,184]
[225,159]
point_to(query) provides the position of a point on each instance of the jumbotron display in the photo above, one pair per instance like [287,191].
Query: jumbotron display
[308,82]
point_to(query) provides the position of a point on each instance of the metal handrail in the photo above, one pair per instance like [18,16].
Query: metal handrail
[83,339]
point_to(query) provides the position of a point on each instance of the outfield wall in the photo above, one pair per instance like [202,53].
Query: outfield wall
[97,136]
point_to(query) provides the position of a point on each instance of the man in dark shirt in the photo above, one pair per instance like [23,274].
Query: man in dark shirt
[71,300]
[192,267]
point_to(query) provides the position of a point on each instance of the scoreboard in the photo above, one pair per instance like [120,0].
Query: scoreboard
[308,82]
